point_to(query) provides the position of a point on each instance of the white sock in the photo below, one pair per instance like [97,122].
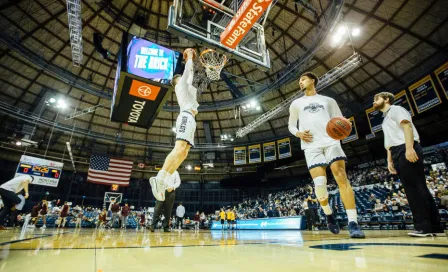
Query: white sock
[163,175]
[352,215]
[327,209]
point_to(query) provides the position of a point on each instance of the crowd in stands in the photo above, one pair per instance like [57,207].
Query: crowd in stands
[377,193]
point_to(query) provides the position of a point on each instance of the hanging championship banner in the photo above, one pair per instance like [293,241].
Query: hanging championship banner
[284,148]
[255,153]
[402,99]
[354,134]
[424,94]
[239,155]
[269,152]
[442,77]
[375,119]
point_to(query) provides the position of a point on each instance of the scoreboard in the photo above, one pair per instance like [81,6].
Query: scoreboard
[45,172]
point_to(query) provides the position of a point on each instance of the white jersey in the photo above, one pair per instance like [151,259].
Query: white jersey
[173,182]
[186,93]
[315,112]
[16,184]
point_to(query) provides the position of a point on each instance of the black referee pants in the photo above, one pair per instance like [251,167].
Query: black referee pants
[167,207]
[412,175]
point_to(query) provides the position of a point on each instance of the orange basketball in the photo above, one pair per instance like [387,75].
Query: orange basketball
[195,55]
[338,128]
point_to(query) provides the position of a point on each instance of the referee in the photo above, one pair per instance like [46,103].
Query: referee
[405,157]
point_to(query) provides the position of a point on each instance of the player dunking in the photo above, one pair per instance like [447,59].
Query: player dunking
[321,150]
[186,95]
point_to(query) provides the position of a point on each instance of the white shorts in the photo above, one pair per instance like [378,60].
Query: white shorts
[324,156]
[185,127]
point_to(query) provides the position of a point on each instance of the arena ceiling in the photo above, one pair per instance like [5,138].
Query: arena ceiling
[400,40]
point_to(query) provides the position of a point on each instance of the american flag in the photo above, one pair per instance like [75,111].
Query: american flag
[108,171]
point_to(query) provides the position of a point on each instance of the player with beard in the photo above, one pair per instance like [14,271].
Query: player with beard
[321,151]
[186,95]
[405,157]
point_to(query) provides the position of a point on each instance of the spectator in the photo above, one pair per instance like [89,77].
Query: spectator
[196,219]
[270,213]
[379,207]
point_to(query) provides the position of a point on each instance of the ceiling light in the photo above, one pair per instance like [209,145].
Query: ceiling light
[356,31]
[341,30]
[52,100]
[231,139]
[244,107]
[188,167]
[253,103]
[18,143]
[173,129]
[61,104]
[248,105]
[258,108]
[337,38]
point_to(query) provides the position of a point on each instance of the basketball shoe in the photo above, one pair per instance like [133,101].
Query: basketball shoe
[158,188]
[355,230]
[332,224]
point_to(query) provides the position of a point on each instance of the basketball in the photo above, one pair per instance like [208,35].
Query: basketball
[338,128]
[195,55]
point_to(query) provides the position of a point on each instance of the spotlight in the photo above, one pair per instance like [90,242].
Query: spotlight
[18,143]
[356,31]
[174,129]
[52,100]
[231,139]
[61,104]
[248,105]
[341,30]
[253,103]
[337,38]
[244,107]
[258,108]
[188,167]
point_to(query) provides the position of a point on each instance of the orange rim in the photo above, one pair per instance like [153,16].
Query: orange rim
[211,66]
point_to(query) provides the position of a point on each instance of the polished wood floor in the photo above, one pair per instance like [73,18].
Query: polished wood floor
[140,250]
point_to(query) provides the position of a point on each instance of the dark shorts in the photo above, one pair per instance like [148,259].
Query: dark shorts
[222,221]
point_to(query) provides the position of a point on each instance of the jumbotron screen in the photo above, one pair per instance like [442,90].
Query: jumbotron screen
[152,61]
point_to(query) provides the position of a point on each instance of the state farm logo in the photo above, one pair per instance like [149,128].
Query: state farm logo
[144,90]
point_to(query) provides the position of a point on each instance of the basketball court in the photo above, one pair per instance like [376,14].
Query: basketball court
[136,250]
[249,55]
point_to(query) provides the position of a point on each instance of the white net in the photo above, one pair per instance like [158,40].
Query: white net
[213,63]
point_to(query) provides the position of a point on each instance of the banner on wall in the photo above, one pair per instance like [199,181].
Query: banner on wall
[255,153]
[442,77]
[284,148]
[239,155]
[402,99]
[354,134]
[375,119]
[424,94]
[269,151]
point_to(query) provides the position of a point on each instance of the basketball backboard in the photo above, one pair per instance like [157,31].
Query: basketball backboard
[203,21]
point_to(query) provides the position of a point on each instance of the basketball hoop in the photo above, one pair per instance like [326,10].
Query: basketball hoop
[213,63]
